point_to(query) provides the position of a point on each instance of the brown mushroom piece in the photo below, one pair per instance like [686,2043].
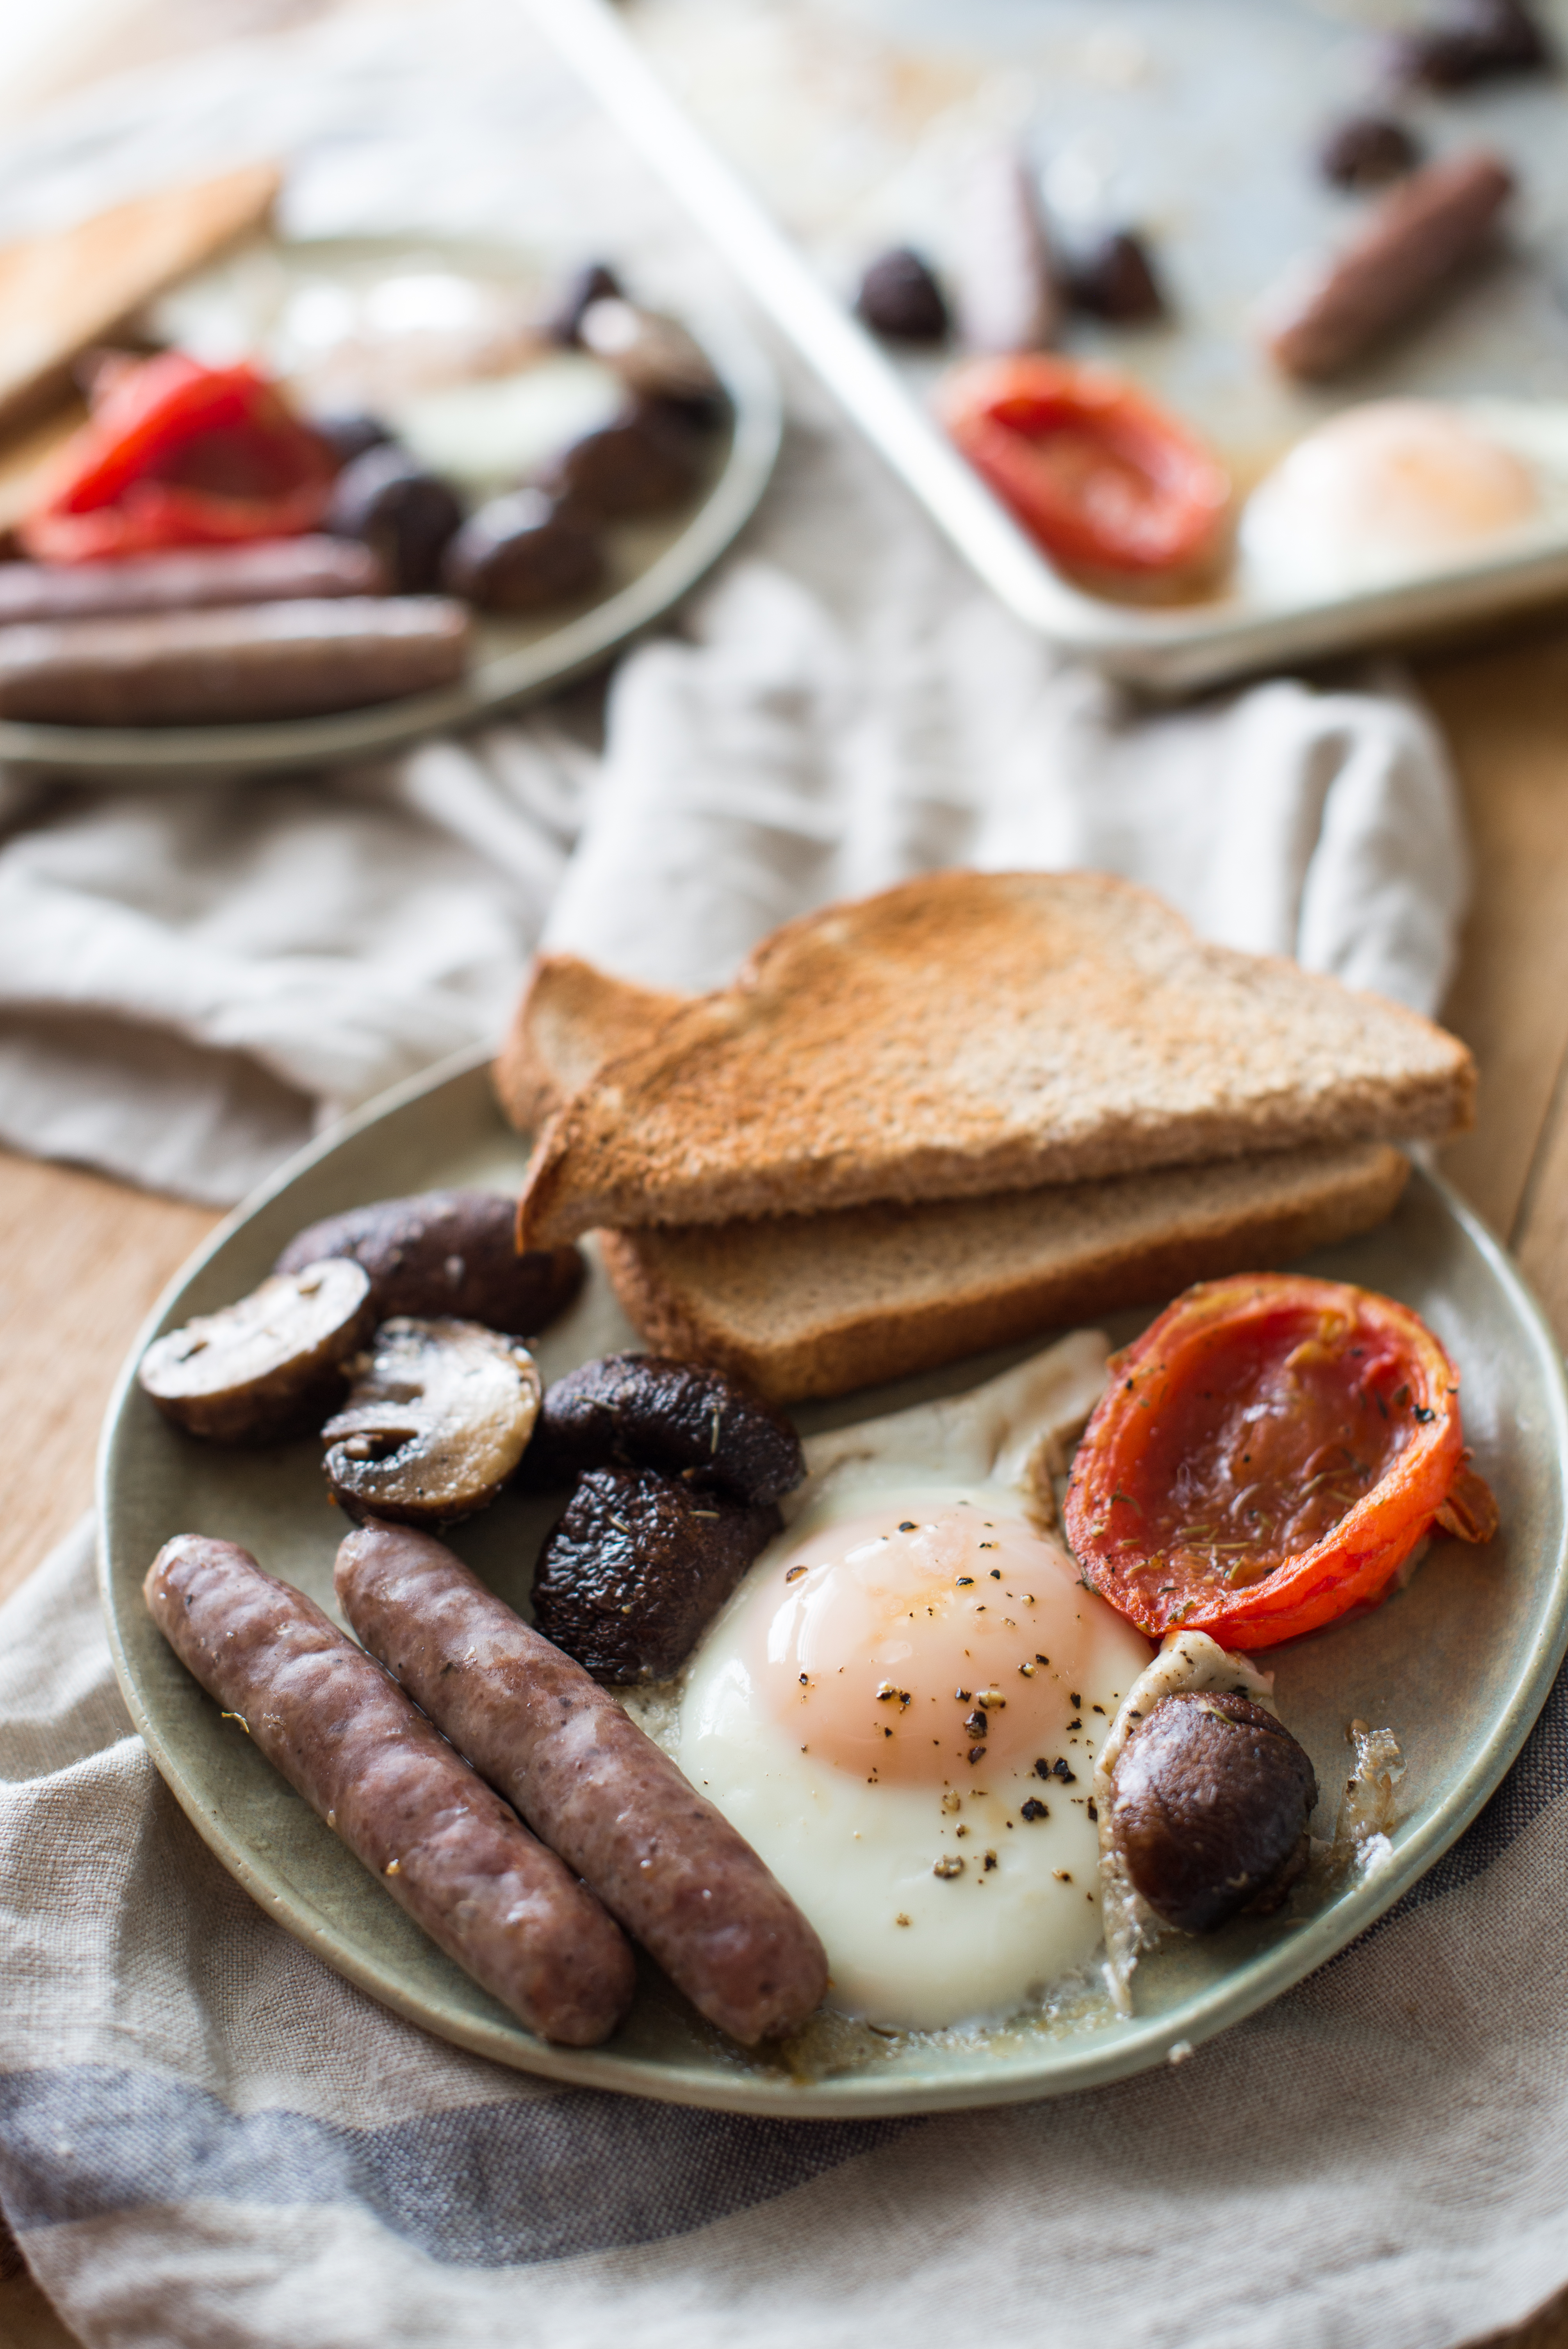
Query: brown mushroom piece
[522,553]
[636,465]
[647,1411]
[654,355]
[437,1417]
[638,1567]
[270,1367]
[1212,1799]
[452,1253]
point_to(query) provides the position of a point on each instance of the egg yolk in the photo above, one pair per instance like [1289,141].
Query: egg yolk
[906,1646]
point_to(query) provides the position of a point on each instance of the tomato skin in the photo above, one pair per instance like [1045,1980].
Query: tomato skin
[114,488]
[1101,475]
[1206,1333]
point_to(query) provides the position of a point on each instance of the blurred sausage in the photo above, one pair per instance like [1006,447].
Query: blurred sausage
[588,1781]
[249,661]
[370,1763]
[270,571]
[1415,239]
[1007,295]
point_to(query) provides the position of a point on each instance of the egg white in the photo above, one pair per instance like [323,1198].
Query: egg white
[1393,489]
[857,1848]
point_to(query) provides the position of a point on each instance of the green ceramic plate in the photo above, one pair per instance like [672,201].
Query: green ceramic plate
[652,563]
[1457,1665]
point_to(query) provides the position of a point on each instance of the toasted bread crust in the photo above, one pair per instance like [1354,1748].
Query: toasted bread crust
[61,292]
[969,1033]
[572,1019]
[818,1305]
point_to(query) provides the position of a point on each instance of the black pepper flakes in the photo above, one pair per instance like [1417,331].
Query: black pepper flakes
[1034,1809]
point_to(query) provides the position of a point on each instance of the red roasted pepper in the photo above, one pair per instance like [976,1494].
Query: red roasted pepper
[179,454]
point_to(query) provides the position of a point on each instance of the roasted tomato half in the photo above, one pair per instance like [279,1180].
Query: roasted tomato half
[1104,478]
[1267,1456]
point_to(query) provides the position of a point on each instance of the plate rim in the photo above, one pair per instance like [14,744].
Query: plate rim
[1141,2046]
[190,756]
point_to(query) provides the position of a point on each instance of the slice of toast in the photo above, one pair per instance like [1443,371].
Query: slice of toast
[969,1033]
[572,1019]
[61,292]
[818,1305]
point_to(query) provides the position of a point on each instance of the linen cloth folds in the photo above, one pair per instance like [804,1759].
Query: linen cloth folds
[205,2137]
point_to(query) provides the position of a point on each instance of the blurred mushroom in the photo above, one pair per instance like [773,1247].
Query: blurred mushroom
[522,553]
[901,298]
[652,355]
[403,514]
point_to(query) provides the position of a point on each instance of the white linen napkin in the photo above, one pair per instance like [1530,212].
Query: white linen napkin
[191,981]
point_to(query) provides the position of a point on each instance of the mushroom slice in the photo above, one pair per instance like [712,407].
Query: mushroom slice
[269,1366]
[439,1416]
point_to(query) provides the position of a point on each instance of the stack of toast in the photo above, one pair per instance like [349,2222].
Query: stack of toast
[954,1116]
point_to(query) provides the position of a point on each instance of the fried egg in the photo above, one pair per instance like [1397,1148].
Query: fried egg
[1393,488]
[901,1705]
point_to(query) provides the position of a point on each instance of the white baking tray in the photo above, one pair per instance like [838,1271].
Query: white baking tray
[1207,110]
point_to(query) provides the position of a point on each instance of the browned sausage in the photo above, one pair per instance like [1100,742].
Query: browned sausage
[370,1763]
[248,661]
[1415,239]
[659,1855]
[269,572]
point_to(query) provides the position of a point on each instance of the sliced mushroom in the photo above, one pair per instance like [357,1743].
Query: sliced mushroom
[638,1567]
[449,1252]
[269,1366]
[651,354]
[436,1420]
[1212,1798]
[647,1411]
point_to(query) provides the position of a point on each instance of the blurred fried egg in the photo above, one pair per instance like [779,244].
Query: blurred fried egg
[1394,488]
[901,1705]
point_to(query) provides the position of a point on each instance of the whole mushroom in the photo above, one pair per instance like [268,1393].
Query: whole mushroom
[638,1567]
[1213,1796]
[649,1410]
[451,1253]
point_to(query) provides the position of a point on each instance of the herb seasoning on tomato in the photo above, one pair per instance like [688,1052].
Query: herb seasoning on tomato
[1102,476]
[179,454]
[1267,1456]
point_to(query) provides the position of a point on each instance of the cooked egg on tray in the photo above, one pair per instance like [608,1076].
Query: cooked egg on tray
[901,1705]
[1392,488]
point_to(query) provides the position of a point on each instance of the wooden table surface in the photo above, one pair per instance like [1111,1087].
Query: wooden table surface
[81,1258]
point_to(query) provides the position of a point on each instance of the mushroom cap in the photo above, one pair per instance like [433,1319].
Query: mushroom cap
[1212,1798]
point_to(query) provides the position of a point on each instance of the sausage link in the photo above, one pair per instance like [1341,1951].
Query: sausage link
[368,1761]
[599,1792]
[1415,240]
[290,660]
[187,579]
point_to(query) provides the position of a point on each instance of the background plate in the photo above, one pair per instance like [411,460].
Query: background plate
[1457,1665]
[514,660]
